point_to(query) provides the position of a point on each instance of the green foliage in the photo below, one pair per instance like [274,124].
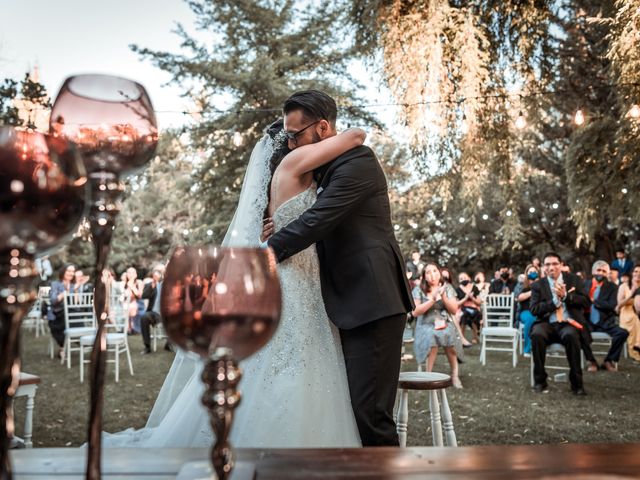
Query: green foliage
[156,212]
[248,58]
[481,63]
[30,92]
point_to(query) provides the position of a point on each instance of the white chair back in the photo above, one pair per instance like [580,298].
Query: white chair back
[78,310]
[498,310]
[118,313]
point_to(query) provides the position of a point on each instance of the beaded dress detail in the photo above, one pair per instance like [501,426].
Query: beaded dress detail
[295,390]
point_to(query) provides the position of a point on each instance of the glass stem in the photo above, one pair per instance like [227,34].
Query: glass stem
[18,279]
[221,375]
[106,190]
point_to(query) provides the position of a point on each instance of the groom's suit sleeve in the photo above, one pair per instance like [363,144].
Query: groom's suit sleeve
[353,179]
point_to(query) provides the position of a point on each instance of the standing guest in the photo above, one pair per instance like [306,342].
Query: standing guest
[152,317]
[628,317]
[133,292]
[435,307]
[523,296]
[602,314]
[469,305]
[622,264]
[55,315]
[414,268]
[504,284]
[481,284]
[558,303]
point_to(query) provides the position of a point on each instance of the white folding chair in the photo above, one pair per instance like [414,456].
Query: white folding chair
[116,338]
[157,332]
[34,320]
[556,353]
[497,314]
[602,343]
[79,320]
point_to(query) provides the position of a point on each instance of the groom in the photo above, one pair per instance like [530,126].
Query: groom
[364,287]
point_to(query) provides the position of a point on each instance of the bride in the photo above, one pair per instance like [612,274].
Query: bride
[294,391]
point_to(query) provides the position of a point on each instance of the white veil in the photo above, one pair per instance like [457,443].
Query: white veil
[184,376]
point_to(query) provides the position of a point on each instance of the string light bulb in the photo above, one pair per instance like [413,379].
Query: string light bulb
[521,122]
[464,126]
[237,139]
[578,119]
[634,111]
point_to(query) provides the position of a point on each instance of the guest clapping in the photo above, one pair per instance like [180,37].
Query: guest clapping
[558,302]
[468,300]
[602,315]
[133,292]
[628,317]
[435,307]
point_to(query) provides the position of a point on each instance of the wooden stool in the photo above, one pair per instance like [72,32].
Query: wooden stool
[27,388]
[434,382]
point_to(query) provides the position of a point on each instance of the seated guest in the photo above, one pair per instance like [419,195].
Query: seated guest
[614,276]
[602,314]
[628,317]
[622,264]
[557,302]
[151,317]
[523,296]
[469,305]
[505,284]
[55,314]
[481,285]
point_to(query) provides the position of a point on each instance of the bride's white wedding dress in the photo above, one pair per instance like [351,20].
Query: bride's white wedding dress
[294,391]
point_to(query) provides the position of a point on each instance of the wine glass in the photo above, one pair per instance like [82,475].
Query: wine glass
[223,304]
[43,191]
[112,122]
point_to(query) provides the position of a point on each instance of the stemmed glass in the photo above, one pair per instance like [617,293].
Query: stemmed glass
[43,191]
[112,122]
[223,304]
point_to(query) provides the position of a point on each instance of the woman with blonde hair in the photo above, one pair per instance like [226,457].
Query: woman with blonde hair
[628,317]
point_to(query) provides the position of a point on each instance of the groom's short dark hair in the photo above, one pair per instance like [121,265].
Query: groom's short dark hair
[315,105]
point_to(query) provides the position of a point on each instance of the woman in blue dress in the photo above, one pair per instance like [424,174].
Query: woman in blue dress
[436,305]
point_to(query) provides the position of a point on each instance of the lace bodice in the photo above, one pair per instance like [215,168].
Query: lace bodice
[289,211]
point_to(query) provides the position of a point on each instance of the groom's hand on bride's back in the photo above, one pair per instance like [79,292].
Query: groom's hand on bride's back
[267,229]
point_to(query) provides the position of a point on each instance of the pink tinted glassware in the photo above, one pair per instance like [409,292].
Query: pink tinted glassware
[223,304]
[43,191]
[112,122]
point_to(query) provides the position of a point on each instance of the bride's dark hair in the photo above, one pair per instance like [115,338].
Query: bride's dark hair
[280,150]
[280,144]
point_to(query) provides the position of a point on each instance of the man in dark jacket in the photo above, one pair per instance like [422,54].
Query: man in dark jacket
[602,314]
[558,302]
[362,272]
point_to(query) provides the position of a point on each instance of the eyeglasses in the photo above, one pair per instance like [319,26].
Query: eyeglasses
[293,136]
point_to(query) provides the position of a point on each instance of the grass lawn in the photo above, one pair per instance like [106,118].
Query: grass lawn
[496,405]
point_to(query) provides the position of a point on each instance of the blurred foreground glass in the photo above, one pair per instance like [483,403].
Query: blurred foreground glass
[223,304]
[43,191]
[112,122]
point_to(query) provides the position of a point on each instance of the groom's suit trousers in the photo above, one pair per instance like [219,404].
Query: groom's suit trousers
[372,356]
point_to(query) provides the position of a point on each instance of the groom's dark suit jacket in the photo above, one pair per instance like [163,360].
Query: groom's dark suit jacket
[361,267]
